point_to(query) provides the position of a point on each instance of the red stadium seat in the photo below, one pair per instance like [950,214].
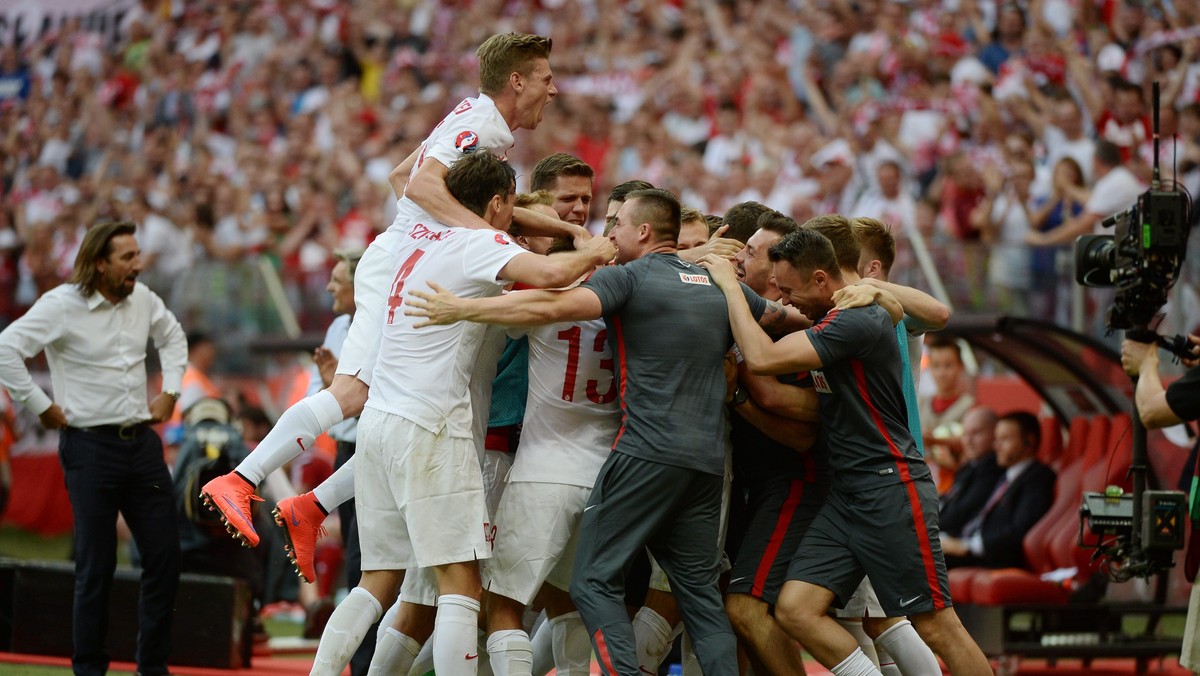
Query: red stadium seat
[1052,442]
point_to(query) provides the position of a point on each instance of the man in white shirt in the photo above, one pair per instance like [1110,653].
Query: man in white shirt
[516,83]
[420,492]
[94,330]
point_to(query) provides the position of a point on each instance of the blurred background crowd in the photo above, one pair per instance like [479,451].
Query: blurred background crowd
[243,136]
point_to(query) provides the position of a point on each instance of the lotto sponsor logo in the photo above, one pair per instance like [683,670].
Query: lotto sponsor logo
[694,279]
[467,142]
[421,231]
[820,383]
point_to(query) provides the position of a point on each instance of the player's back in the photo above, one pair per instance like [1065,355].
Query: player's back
[572,412]
[475,124]
[423,374]
[669,331]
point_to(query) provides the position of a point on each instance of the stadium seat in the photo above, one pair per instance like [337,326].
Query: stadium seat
[1052,442]
[1053,537]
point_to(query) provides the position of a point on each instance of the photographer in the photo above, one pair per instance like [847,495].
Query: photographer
[1162,407]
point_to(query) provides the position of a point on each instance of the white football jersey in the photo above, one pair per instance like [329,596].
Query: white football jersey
[474,124]
[571,412]
[424,374]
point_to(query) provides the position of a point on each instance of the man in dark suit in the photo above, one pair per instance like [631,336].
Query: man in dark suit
[1018,499]
[977,476]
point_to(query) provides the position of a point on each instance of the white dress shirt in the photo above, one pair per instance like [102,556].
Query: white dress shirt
[96,352]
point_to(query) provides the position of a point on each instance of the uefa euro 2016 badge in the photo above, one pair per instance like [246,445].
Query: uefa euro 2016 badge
[467,142]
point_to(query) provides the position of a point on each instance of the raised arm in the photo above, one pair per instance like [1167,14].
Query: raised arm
[560,269]
[532,307]
[428,189]
[926,312]
[762,355]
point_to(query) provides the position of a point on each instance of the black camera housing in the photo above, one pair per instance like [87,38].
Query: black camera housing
[1142,259]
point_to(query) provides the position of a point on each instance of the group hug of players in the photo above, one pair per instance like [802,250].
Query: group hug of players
[655,376]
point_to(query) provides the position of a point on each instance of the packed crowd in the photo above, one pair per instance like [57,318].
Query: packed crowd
[235,130]
[283,151]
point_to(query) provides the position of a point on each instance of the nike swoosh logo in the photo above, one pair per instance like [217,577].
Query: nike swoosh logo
[736,580]
[589,507]
[471,657]
[295,521]
[904,603]
[300,440]
[235,508]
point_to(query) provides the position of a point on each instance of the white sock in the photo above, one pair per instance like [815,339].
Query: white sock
[855,628]
[344,632]
[911,655]
[424,663]
[511,653]
[485,660]
[653,636]
[277,487]
[394,653]
[338,488]
[887,663]
[856,664]
[389,618]
[292,434]
[542,640]
[530,619]
[572,647]
[455,644]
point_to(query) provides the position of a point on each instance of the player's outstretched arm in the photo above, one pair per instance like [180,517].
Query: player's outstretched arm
[537,224]
[762,355]
[925,312]
[428,189]
[532,307]
[561,269]
[857,295]
[398,177]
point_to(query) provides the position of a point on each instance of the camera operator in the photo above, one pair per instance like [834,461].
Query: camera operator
[1162,407]
[1158,406]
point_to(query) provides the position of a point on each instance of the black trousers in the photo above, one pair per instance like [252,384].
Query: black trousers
[360,663]
[107,474]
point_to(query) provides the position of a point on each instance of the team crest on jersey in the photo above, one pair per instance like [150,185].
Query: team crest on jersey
[502,238]
[694,279]
[467,142]
[820,383]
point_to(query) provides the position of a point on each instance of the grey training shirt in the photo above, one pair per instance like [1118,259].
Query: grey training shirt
[668,327]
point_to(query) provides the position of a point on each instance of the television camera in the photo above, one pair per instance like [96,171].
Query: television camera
[1137,532]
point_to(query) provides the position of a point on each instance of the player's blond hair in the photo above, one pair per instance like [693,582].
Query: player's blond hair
[504,54]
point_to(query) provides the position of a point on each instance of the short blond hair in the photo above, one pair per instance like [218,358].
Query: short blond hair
[876,240]
[528,199]
[504,54]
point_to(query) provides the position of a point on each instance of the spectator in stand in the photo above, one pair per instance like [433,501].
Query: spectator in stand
[1115,189]
[1008,38]
[1003,219]
[978,473]
[942,413]
[1016,502]
[1067,195]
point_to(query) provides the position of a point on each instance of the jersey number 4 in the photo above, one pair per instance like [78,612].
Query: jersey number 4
[395,302]
[574,336]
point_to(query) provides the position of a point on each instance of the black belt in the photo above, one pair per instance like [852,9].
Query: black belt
[126,432]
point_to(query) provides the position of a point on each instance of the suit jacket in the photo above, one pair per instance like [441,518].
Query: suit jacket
[1022,505]
[973,485]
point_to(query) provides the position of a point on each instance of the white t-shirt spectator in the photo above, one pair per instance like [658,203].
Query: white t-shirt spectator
[1115,192]
[1009,259]
[1059,146]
